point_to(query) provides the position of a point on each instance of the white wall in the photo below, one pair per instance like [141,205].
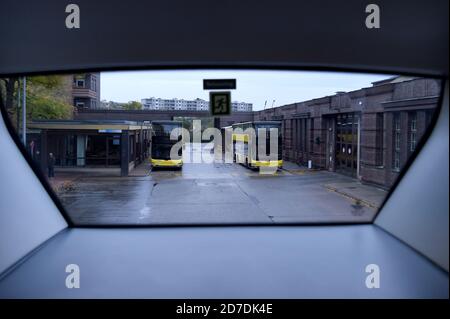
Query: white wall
[28,216]
[418,210]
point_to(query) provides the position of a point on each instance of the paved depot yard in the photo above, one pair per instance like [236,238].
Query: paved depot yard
[220,193]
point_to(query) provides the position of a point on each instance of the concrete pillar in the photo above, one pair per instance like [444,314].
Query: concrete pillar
[141,145]
[44,151]
[124,153]
[388,146]
[134,147]
[81,150]
[404,126]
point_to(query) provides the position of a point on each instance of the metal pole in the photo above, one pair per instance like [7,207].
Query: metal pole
[24,112]
[18,108]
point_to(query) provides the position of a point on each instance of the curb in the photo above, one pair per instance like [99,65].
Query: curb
[366,203]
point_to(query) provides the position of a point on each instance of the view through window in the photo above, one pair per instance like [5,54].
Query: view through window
[142,148]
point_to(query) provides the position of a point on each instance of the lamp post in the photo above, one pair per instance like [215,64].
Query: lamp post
[24,112]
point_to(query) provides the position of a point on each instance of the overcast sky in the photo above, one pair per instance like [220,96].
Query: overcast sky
[252,86]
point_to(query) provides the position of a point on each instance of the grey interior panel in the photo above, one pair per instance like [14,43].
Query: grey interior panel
[418,210]
[226,262]
[283,33]
[409,240]
[28,217]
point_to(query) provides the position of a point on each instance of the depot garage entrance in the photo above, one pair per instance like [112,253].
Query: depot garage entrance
[347,128]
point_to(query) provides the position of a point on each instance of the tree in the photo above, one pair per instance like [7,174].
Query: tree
[48,97]
[47,108]
[9,87]
[8,91]
[132,105]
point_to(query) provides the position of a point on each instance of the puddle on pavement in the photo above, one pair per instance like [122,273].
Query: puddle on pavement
[144,212]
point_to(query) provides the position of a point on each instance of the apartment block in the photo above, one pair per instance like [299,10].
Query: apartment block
[188,105]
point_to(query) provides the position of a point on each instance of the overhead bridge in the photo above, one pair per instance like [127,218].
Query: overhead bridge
[152,115]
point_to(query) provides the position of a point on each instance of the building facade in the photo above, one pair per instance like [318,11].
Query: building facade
[241,107]
[86,91]
[368,133]
[115,145]
[158,104]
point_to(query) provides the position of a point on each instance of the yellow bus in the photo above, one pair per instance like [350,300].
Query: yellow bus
[162,144]
[249,156]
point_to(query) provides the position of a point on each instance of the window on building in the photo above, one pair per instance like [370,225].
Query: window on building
[397,141]
[79,104]
[80,83]
[412,131]
[379,139]
[93,83]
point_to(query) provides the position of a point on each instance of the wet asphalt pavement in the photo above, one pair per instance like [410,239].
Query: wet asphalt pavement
[216,193]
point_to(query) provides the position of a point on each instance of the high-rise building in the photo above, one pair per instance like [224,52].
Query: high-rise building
[189,105]
[242,107]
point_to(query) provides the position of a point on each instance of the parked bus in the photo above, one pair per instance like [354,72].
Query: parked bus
[226,147]
[162,144]
[249,156]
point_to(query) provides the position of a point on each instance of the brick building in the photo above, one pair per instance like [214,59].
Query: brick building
[368,133]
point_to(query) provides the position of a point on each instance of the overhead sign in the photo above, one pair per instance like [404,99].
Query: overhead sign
[220,103]
[110,131]
[219,84]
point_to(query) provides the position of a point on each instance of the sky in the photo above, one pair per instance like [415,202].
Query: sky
[255,87]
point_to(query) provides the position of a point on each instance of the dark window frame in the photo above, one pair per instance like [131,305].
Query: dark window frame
[396,141]
[379,140]
[412,132]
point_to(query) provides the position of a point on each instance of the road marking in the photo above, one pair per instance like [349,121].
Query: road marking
[351,197]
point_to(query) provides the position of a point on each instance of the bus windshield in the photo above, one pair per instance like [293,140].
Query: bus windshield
[164,129]
[164,150]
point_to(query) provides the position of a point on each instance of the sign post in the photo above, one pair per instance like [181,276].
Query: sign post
[220,103]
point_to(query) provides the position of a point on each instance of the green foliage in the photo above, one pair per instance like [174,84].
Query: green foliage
[46,107]
[48,82]
[47,98]
[133,105]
